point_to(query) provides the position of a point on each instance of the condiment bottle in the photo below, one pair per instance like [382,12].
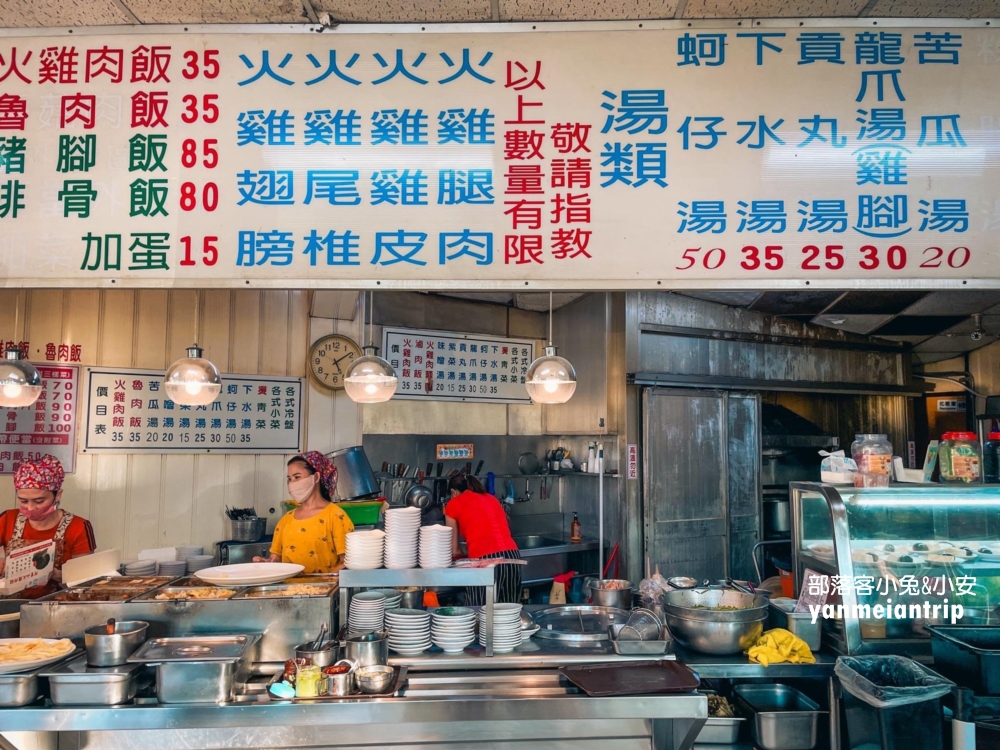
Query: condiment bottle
[575,529]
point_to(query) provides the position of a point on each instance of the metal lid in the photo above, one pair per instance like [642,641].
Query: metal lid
[78,670]
[194,648]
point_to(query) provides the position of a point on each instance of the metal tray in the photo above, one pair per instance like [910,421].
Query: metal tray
[75,683]
[638,648]
[398,682]
[127,582]
[92,596]
[579,625]
[279,591]
[194,648]
[783,718]
[22,688]
[799,624]
[151,596]
[633,678]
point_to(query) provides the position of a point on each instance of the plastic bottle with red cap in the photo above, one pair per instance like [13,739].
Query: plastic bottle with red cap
[961,458]
[991,458]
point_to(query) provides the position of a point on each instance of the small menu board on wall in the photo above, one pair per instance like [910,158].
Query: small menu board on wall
[448,366]
[128,411]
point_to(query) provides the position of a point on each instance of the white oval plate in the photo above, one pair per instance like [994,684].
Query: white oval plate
[248,574]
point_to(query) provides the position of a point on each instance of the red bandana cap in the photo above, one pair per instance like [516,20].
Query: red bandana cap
[324,467]
[45,473]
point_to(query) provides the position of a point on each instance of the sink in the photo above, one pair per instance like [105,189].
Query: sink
[537,541]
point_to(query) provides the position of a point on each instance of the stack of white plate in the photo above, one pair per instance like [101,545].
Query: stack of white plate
[401,527]
[199,562]
[392,597]
[506,627]
[141,568]
[453,628]
[185,551]
[367,612]
[435,546]
[173,568]
[365,550]
[409,631]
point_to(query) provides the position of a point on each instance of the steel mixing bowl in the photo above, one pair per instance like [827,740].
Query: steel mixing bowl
[717,638]
[374,679]
[699,604]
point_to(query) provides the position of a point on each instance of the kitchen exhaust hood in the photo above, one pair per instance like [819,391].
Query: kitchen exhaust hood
[783,428]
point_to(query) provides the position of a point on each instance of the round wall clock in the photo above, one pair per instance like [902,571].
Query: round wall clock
[329,359]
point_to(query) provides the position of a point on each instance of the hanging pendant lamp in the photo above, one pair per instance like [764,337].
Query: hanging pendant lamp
[551,379]
[193,380]
[20,383]
[370,379]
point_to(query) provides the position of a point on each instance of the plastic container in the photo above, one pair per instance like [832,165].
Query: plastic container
[362,514]
[961,458]
[968,654]
[892,703]
[873,455]
[991,459]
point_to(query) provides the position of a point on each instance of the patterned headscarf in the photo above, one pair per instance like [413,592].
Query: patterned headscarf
[324,467]
[45,473]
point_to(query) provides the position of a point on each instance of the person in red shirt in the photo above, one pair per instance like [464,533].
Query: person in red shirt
[477,517]
[38,518]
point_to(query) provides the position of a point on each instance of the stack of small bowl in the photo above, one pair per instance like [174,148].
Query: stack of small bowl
[409,631]
[453,628]
[506,627]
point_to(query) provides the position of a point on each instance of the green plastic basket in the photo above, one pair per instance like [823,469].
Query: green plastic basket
[362,514]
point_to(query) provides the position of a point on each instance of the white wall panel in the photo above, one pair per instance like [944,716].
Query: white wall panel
[139,501]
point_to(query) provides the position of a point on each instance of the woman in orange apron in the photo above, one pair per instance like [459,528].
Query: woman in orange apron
[38,485]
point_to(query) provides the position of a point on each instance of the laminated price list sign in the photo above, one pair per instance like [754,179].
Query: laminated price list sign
[47,426]
[128,411]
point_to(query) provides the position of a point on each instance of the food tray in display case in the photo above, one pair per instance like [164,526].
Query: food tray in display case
[909,547]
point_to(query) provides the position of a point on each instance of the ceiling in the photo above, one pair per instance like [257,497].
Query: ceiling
[36,13]
[937,325]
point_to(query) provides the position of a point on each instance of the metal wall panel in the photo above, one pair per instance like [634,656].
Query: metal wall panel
[685,482]
[743,491]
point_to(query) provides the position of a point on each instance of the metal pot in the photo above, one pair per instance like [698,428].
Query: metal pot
[419,496]
[412,599]
[112,649]
[327,655]
[249,529]
[10,617]
[368,650]
[355,477]
[776,517]
[618,598]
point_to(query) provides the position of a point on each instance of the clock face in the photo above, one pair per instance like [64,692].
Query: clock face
[330,358]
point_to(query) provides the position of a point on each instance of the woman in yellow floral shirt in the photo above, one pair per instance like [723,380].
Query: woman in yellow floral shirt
[314,534]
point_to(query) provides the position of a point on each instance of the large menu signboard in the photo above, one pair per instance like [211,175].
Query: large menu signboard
[711,155]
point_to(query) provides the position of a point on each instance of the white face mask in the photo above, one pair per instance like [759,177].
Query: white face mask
[300,489]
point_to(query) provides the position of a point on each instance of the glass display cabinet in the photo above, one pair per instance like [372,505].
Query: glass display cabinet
[895,558]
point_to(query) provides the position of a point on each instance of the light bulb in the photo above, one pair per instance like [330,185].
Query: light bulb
[193,380]
[20,382]
[550,379]
[370,379]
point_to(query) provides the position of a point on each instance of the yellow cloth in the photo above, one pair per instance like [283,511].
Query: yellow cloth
[778,645]
[315,542]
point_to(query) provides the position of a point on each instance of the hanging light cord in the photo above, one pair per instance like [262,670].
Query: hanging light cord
[550,318]
[17,315]
[371,315]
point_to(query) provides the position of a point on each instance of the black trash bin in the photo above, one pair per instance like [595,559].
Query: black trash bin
[892,703]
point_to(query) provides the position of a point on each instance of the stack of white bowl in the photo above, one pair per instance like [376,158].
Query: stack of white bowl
[140,568]
[453,628]
[435,546]
[506,627]
[401,527]
[367,612]
[365,549]
[392,597]
[199,562]
[172,568]
[409,631]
